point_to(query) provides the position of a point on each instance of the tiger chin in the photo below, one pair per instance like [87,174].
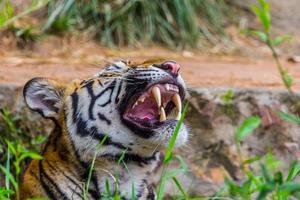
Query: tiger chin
[132,109]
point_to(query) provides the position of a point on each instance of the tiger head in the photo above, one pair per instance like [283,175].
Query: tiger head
[135,107]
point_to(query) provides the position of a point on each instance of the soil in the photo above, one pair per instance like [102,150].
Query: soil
[67,59]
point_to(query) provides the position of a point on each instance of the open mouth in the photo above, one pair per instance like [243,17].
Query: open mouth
[157,105]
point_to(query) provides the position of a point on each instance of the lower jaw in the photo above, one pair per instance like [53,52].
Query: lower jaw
[149,131]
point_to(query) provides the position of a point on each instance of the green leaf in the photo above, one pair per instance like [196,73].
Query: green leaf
[180,187]
[11,148]
[227,97]
[264,190]
[263,13]
[256,180]
[10,176]
[266,174]
[288,117]
[7,166]
[4,191]
[280,39]
[289,187]
[272,162]
[172,142]
[251,160]
[247,127]
[261,35]
[278,177]
[30,154]
[287,79]
[293,171]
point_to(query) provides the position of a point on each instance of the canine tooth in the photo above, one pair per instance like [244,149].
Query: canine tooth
[167,86]
[177,101]
[162,115]
[165,104]
[142,99]
[135,104]
[174,88]
[178,116]
[157,96]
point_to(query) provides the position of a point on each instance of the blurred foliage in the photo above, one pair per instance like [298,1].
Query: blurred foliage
[174,23]
[269,183]
[171,22]
[262,12]
[16,149]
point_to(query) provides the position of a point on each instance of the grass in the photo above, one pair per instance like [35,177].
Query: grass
[267,183]
[172,23]
[88,181]
[165,175]
[16,151]
[262,12]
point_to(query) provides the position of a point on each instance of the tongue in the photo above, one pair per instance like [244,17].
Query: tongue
[146,110]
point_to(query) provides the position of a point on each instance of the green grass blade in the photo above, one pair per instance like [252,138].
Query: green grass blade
[172,142]
[288,117]
[293,171]
[180,187]
[86,189]
[247,127]
[8,168]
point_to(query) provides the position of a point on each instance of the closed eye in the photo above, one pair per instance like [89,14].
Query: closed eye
[113,68]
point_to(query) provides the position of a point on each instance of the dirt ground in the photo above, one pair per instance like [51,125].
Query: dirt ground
[67,59]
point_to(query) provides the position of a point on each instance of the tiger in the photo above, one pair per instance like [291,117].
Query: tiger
[119,119]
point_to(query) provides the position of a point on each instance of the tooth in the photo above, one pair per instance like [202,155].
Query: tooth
[178,116]
[135,104]
[167,86]
[165,104]
[157,95]
[142,99]
[173,88]
[162,115]
[177,101]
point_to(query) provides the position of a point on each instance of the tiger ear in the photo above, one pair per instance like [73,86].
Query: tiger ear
[44,96]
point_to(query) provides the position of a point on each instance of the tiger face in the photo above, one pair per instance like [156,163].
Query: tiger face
[135,107]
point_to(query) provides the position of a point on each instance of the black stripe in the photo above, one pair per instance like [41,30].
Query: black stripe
[94,97]
[83,166]
[102,117]
[151,194]
[57,133]
[51,191]
[128,157]
[144,70]
[99,137]
[57,169]
[89,88]
[118,92]
[74,97]
[84,131]
[111,87]
[86,82]
[100,83]
[144,74]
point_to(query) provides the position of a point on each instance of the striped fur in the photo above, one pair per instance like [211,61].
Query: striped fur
[84,112]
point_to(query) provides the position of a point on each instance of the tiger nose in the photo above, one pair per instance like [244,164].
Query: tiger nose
[171,66]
